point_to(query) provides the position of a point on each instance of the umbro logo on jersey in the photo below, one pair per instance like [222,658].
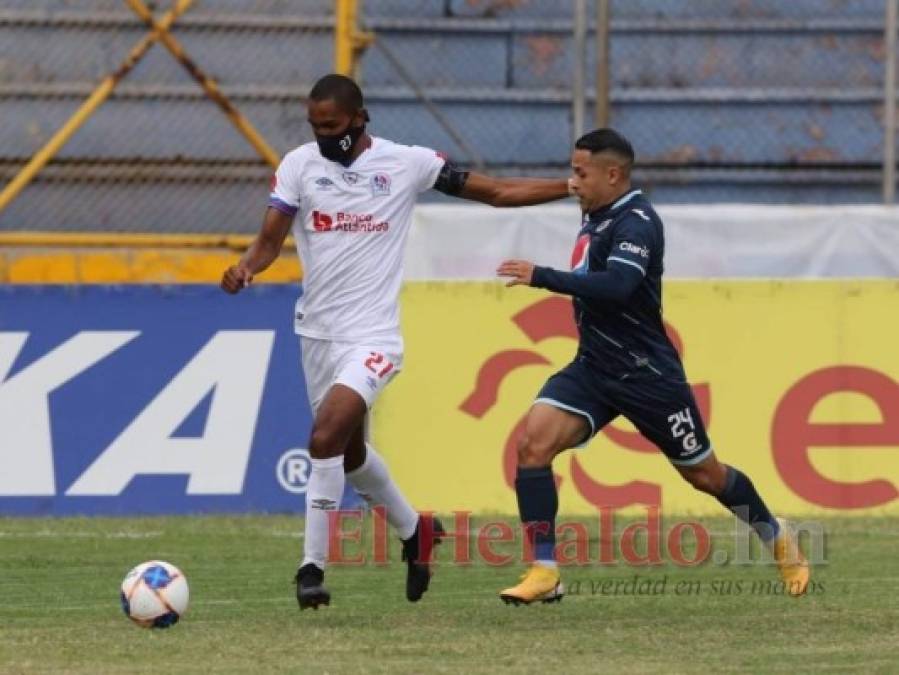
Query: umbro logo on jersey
[351,177]
[324,183]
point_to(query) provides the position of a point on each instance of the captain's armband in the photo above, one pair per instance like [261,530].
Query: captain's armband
[450,180]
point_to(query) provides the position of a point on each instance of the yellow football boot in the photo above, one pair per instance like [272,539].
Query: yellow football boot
[794,568]
[538,583]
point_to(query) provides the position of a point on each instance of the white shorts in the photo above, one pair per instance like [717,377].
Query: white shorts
[366,368]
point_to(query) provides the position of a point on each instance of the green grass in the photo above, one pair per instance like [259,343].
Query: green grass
[59,609]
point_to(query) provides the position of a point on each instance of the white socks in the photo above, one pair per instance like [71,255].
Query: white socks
[373,483]
[323,494]
[325,489]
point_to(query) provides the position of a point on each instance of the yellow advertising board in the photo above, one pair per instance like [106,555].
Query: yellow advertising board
[798,382]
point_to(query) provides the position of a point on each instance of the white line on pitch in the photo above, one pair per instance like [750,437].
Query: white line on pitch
[49,534]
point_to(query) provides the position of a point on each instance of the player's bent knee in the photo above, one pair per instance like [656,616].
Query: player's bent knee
[702,480]
[326,442]
[534,451]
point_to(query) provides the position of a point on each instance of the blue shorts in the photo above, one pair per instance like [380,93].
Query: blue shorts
[662,408]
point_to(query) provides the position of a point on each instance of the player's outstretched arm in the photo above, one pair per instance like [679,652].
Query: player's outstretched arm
[513,191]
[615,285]
[262,252]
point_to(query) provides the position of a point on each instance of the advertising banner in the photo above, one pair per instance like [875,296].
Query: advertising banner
[156,399]
[798,383]
[150,399]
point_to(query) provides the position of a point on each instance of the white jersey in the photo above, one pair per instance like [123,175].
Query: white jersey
[351,233]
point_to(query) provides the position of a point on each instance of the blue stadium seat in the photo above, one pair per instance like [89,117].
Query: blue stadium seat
[785,86]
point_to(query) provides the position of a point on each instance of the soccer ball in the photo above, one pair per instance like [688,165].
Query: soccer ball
[155,594]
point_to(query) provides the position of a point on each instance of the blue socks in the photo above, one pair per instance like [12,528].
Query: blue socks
[538,504]
[741,498]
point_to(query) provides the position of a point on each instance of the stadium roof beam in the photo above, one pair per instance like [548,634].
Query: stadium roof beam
[245,21]
[698,95]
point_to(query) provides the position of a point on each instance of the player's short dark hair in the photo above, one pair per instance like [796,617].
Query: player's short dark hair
[339,88]
[607,140]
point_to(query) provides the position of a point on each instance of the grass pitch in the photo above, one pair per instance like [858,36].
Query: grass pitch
[59,608]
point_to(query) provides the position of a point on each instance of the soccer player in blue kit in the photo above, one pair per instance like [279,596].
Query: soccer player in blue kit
[625,365]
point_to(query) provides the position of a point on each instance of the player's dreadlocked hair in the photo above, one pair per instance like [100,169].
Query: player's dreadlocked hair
[339,88]
[607,140]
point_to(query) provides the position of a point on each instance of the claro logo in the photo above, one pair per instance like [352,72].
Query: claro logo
[628,247]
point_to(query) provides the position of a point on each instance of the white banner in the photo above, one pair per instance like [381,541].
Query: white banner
[467,241]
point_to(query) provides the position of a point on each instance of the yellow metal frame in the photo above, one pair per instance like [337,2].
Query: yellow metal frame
[237,242]
[76,258]
[159,33]
[349,41]
[209,85]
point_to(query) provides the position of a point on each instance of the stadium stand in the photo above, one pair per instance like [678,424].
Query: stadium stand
[724,100]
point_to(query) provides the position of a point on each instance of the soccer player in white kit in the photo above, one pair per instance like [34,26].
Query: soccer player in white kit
[353,194]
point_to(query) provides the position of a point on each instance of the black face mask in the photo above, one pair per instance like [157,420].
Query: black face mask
[339,147]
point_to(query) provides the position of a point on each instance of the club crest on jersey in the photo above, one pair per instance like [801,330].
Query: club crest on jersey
[324,183]
[380,184]
[351,177]
[580,257]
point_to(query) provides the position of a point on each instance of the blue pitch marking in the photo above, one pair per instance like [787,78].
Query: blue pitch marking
[157,577]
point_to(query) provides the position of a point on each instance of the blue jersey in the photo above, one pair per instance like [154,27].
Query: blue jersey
[616,283]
